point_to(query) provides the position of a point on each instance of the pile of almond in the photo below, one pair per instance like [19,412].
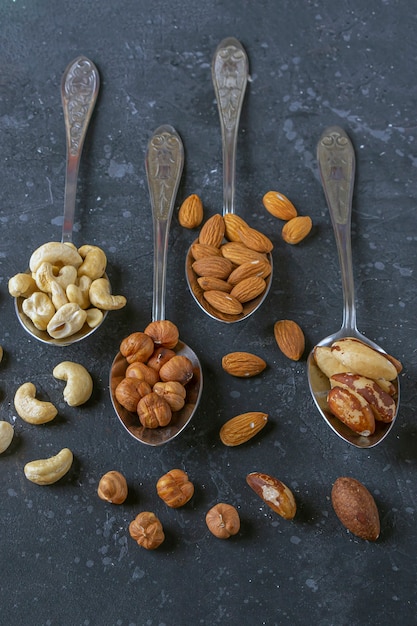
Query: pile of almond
[231,264]
[362,383]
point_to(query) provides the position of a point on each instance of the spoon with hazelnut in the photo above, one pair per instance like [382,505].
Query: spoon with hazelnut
[353,381]
[167,354]
[230,71]
[53,301]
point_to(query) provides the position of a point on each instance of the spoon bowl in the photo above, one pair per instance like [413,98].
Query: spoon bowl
[79,90]
[336,159]
[164,164]
[230,71]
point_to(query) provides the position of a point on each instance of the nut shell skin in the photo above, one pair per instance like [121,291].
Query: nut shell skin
[113,487]
[154,411]
[163,333]
[223,520]
[129,391]
[174,488]
[137,347]
[179,369]
[274,493]
[147,530]
[356,508]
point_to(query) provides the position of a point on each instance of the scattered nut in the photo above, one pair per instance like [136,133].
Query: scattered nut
[49,471]
[356,508]
[243,427]
[113,487]
[274,493]
[279,206]
[223,520]
[297,229]
[79,385]
[174,488]
[190,214]
[147,530]
[6,435]
[290,339]
[30,409]
[243,364]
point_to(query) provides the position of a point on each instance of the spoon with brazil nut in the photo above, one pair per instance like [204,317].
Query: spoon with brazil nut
[79,89]
[336,159]
[230,71]
[164,164]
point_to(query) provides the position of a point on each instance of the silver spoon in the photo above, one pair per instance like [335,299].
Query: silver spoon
[336,159]
[164,163]
[230,71]
[79,89]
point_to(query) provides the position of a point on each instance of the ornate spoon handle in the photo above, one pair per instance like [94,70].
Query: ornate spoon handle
[164,163]
[230,71]
[79,89]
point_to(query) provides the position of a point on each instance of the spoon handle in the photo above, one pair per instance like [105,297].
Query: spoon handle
[336,158]
[79,89]
[164,163]
[230,69]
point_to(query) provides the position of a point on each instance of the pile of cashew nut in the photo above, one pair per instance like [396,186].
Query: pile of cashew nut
[65,288]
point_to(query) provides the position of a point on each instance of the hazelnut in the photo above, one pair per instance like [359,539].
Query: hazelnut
[173,392]
[146,530]
[141,371]
[113,487]
[154,411]
[163,333]
[137,347]
[129,391]
[179,368]
[160,356]
[223,520]
[174,488]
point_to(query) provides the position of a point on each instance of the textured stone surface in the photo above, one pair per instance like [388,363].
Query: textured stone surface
[66,556]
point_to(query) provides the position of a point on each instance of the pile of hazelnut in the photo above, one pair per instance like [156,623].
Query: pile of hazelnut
[156,376]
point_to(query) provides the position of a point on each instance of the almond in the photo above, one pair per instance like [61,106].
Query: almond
[352,409]
[217,267]
[356,508]
[243,364]
[223,302]
[248,288]
[290,339]
[208,283]
[255,240]
[233,223]
[297,229]
[279,206]
[202,250]
[243,427]
[190,214]
[274,493]
[256,267]
[238,253]
[212,232]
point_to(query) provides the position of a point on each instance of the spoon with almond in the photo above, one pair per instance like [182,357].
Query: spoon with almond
[229,267]
[353,381]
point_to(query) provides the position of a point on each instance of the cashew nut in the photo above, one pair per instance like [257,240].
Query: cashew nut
[95,262]
[68,320]
[58,295]
[94,317]
[101,297]
[21,285]
[56,253]
[6,435]
[46,274]
[80,293]
[39,308]
[48,471]
[30,409]
[79,385]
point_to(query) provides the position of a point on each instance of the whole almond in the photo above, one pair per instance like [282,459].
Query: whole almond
[202,250]
[233,223]
[209,283]
[248,288]
[279,206]
[274,493]
[238,253]
[356,508]
[212,232]
[256,267]
[297,229]
[223,302]
[218,267]
[255,240]
[243,364]
[290,339]
[190,214]
[243,427]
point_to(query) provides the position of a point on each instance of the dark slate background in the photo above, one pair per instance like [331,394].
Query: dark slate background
[66,557]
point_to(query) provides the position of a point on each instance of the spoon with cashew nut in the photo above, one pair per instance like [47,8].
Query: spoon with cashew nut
[164,164]
[65,294]
[230,71]
[353,381]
